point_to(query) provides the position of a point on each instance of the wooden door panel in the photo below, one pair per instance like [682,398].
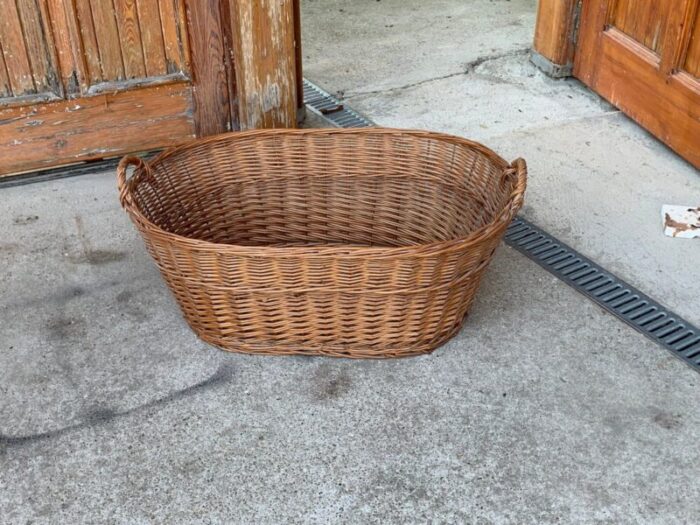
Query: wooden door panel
[692,58]
[641,20]
[132,46]
[5,87]
[117,73]
[137,40]
[117,76]
[100,126]
[152,34]
[108,50]
[632,53]
[29,58]
[175,42]
[83,41]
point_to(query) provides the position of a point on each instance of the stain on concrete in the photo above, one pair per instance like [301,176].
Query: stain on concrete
[9,247]
[62,328]
[667,420]
[124,297]
[90,255]
[130,306]
[100,415]
[68,294]
[63,296]
[99,257]
[62,333]
[331,383]
[23,220]
[97,415]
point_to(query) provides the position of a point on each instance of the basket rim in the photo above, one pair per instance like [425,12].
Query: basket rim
[516,172]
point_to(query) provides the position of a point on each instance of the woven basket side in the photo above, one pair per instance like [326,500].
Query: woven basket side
[368,243]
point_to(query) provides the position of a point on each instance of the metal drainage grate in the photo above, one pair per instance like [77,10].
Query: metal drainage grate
[633,307]
[331,109]
[612,293]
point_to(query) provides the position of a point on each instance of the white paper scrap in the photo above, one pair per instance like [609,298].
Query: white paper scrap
[681,221]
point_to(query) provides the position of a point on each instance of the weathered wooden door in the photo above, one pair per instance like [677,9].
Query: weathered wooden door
[85,79]
[644,57]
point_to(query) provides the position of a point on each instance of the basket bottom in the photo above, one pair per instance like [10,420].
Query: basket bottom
[245,346]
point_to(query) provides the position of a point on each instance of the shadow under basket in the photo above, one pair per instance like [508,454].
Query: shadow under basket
[362,243]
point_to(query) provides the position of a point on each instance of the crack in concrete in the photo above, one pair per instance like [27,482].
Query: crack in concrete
[467,69]
[101,416]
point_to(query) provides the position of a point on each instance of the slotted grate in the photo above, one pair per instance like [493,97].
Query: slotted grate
[613,294]
[607,290]
[331,109]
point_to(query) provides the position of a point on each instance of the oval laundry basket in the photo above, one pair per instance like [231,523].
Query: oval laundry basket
[355,243]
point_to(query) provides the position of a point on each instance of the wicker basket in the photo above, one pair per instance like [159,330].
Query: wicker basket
[352,243]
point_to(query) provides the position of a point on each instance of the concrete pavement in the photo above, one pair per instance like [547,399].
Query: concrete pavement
[544,409]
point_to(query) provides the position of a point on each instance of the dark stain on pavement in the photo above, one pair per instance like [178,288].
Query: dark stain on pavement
[331,383]
[91,255]
[667,420]
[103,415]
[25,219]
[124,296]
[99,257]
[62,328]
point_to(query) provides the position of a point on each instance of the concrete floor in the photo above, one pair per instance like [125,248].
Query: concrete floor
[544,409]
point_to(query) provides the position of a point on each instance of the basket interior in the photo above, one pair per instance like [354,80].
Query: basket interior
[366,189]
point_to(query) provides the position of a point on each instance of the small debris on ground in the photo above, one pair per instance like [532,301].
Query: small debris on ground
[681,221]
[28,219]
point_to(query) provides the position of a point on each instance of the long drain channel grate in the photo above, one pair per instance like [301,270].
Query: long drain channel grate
[613,294]
[607,290]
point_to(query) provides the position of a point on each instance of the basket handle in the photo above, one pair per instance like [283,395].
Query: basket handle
[122,176]
[516,174]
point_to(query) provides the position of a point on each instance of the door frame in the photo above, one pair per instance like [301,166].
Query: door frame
[556,32]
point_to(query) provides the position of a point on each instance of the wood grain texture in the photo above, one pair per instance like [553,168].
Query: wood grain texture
[88,47]
[227,30]
[554,31]
[5,88]
[264,60]
[39,44]
[44,135]
[644,83]
[172,17]
[14,49]
[152,37]
[299,70]
[130,38]
[645,21]
[138,74]
[72,69]
[136,39]
[692,59]
[108,40]
[208,48]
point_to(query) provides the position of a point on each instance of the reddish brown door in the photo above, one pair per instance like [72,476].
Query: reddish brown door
[84,79]
[81,79]
[644,57]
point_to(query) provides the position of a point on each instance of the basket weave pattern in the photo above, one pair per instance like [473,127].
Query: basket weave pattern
[353,243]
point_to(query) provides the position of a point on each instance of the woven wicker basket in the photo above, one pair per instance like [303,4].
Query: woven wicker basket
[353,243]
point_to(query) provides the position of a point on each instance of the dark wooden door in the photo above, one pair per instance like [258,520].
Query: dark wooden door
[86,79]
[644,57]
